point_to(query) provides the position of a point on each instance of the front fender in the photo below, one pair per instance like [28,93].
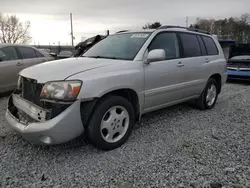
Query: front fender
[97,83]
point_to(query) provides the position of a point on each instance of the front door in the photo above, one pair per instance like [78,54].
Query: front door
[164,79]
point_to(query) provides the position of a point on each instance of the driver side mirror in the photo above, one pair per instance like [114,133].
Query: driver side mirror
[156,55]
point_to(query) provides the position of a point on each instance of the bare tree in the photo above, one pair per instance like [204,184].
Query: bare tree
[12,30]
[154,25]
[237,28]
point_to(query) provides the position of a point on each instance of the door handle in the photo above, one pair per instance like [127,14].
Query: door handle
[206,61]
[180,64]
[18,64]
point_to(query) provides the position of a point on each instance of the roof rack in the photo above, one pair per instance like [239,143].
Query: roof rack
[187,28]
[122,31]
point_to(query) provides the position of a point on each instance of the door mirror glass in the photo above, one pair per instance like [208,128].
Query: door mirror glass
[156,55]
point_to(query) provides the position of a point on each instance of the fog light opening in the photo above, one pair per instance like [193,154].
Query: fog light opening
[46,139]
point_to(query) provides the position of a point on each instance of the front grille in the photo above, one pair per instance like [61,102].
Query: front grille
[31,90]
[238,77]
[237,64]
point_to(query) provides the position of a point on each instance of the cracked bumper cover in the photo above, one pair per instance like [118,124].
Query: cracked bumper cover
[60,129]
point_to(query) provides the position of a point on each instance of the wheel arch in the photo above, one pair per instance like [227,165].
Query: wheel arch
[131,95]
[217,77]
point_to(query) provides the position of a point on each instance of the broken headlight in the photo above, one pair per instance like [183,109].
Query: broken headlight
[61,90]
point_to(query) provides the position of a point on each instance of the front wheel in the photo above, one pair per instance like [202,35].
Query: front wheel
[111,122]
[209,96]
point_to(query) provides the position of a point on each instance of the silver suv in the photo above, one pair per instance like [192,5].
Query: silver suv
[103,93]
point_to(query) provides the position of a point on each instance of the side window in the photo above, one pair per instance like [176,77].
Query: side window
[167,42]
[38,54]
[8,53]
[27,52]
[202,46]
[190,44]
[210,46]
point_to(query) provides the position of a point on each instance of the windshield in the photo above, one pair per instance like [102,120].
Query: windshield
[120,46]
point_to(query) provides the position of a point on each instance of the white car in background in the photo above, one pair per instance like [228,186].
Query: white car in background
[14,58]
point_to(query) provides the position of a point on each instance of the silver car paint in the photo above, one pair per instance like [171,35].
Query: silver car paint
[64,127]
[157,84]
[9,69]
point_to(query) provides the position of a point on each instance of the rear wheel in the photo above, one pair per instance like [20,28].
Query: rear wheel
[111,122]
[209,96]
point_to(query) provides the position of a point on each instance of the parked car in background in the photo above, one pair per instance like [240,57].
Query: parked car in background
[46,50]
[14,58]
[122,77]
[64,54]
[82,47]
[238,66]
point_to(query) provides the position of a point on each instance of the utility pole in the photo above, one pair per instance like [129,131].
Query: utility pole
[187,21]
[72,35]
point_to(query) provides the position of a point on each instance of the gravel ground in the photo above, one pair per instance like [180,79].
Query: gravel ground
[175,147]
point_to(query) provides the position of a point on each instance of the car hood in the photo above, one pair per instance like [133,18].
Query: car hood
[239,50]
[62,69]
[241,57]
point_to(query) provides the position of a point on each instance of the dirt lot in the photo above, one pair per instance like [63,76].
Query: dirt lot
[175,147]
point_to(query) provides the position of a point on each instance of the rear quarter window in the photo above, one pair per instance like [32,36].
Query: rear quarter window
[210,45]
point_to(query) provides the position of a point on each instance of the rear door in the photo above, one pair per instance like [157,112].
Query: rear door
[11,65]
[193,63]
[29,56]
[214,63]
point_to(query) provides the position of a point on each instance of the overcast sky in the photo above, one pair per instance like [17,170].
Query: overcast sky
[50,18]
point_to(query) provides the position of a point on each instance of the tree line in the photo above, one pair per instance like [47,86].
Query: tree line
[234,28]
[12,30]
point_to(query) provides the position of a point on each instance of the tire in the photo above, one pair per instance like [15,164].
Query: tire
[202,102]
[111,122]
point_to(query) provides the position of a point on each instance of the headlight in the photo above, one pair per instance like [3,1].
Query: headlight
[19,80]
[62,90]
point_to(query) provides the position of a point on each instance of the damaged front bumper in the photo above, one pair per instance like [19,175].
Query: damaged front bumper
[39,126]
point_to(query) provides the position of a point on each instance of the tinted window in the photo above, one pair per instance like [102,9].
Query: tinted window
[203,49]
[210,46]
[190,44]
[38,54]
[167,42]
[27,53]
[8,53]
[119,46]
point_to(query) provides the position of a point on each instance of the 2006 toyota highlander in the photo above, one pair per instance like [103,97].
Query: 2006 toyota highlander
[116,81]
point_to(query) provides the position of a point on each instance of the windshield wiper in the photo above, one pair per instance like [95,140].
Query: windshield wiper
[97,57]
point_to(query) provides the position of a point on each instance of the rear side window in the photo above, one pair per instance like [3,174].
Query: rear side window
[203,48]
[38,54]
[27,53]
[191,46]
[168,42]
[8,53]
[210,46]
